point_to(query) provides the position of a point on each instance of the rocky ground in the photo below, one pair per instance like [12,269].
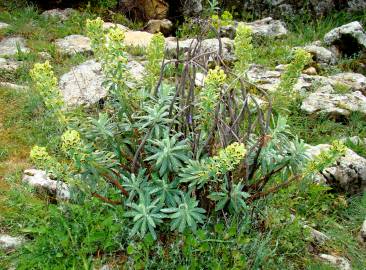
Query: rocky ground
[333,95]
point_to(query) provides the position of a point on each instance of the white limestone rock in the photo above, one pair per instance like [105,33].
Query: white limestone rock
[347,39]
[324,100]
[13,86]
[363,233]
[321,55]
[355,81]
[207,45]
[268,27]
[39,180]
[348,174]
[12,45]
[9,65]
[3,25]
[137,39]
[338,262]
[8,242]
[73,44]
[83,84]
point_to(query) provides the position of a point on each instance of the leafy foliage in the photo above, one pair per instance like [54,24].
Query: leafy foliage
[176,152]
[155,56]
[146,216]
[170,154]
[186,214]
[243,47]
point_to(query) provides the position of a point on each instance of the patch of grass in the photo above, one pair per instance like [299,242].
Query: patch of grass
[79,235]
[317,129]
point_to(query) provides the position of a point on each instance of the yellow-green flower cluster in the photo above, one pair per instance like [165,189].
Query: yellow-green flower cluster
[39,154]
[155,55]
[115,35]
[43,160]
[326,158]
[70,140]
[114,57]
[228,158]
[285,95]
[293,70]
[45,82]
[243,47]
[94,30]
[225,20]
[216,77]
[210,94]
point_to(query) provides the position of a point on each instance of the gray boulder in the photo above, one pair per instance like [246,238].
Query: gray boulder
[324,100]
[73,44]
[321,54]
[12,45]
[267,27]
[355,81]
[347,39]
[191,7]
[62,14]
[207,46]
[41,181]
[9,65]
[347,175]
[83,84]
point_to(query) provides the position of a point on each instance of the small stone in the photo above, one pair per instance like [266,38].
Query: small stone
[3,25]
[106,267]
[62,14]
[310,71]
[45,55]
[164,26]
[73,44]
[319,237]
[39,180]
[200,79]
[363,233]
[12,45]
[8,242]
[339,262]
